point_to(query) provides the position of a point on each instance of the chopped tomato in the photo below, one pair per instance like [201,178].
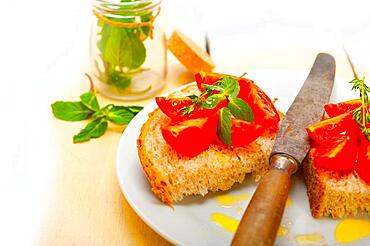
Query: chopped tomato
[335,109]
[330,129]
[337,155]
[174,108]
[263,109]
[363,163]
[207,78]
[191,137]
[243,132]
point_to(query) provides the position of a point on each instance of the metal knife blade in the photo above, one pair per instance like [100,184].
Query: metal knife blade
[261,220]
[306,109]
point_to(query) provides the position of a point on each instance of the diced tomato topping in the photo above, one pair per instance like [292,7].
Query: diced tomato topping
[207,78]
[337,155]
[190,134]
[174,108]
[191,137]
[330,129]
[363,163]
[336,140]
[335,109]
[263,109]
[243,132]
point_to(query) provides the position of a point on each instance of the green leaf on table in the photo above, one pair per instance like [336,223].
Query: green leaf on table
[224,126]
[94,129]
[89,100]
[212,101]
[70,111]
[103,112]
[120,115]
[240,109]
[134,109]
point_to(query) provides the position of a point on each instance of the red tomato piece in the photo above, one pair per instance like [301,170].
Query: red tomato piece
[243,132]
[191,137]
[173,108]
[207,78]
[335,109]
[363,162]
[263,109]
[337,155]
[333,128]
[329,129]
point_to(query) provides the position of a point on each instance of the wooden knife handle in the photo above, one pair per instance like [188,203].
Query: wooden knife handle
[262,218]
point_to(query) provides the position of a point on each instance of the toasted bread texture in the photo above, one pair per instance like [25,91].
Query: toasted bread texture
[333,194]
[189,54]
[173,176]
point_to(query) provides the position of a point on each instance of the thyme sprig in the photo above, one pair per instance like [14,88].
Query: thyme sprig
[361,114]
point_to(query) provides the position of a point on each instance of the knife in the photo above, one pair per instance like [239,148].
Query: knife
[261,220]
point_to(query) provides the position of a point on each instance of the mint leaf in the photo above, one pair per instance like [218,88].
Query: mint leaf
[229,84]
[235,91]
[103,112]
[89,100]
[224,126]
[124,48]
[120,115]
[70,111]
[213,87]
[240,109]
[212,101]
[94,129]
[134,109]
[120,80]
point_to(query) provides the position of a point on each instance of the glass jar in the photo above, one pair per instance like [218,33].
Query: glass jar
[127,48]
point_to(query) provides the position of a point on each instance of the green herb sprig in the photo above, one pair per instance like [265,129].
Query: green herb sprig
[227,88]
[361,115]
[122,50]
[88,108]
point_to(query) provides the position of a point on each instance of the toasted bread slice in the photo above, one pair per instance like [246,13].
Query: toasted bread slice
[173,176]
[189,54]
[333,194]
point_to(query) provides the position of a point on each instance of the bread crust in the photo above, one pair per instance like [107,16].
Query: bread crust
[189,54]
[334,194]
[173,176]
[156,179]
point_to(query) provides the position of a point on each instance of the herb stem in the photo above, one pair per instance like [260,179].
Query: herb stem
[351,64]
[91,81]
[363,103]
[241,76]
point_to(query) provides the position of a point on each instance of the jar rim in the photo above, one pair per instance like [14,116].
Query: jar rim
[114,7]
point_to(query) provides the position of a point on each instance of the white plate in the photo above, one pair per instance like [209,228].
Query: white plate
[189,223]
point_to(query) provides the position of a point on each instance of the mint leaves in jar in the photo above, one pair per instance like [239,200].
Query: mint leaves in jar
[127,57]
